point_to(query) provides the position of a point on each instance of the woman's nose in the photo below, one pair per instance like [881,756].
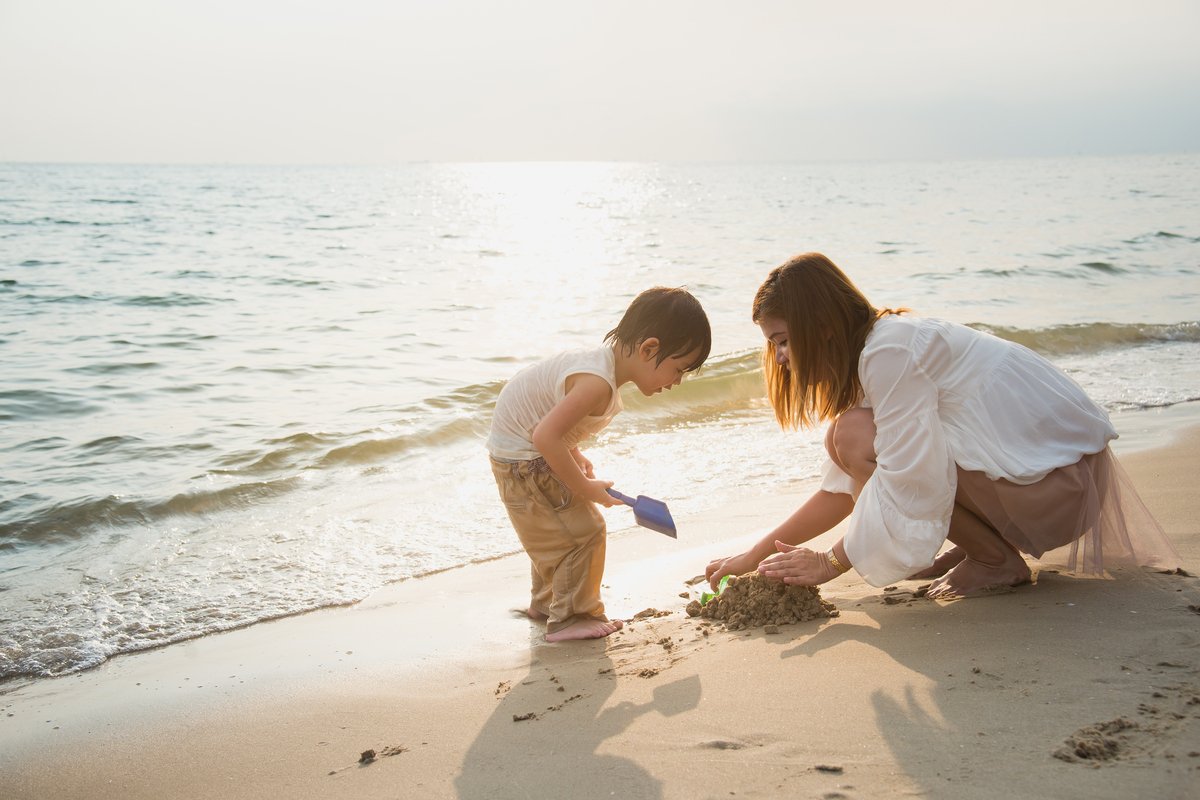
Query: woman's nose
[781,357]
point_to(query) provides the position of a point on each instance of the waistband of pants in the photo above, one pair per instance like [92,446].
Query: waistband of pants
[533,466]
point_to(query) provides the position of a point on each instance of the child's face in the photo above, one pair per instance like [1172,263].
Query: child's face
[775,331]
[652,378]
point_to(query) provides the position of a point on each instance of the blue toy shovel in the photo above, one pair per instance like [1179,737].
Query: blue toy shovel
[649,513]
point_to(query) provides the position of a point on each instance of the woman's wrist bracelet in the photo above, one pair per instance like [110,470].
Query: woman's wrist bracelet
[835,563]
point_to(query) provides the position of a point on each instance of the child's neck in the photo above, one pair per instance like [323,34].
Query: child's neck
[624,364]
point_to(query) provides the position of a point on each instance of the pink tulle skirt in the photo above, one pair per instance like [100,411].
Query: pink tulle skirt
[1082,518]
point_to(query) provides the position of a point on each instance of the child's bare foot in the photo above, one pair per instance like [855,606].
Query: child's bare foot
[941,565]
[586,629]
[971,577]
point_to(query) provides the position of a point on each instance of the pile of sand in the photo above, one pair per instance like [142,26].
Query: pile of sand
[1099,742]
[750,601]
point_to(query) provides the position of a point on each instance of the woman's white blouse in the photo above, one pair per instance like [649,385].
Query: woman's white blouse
[943,395]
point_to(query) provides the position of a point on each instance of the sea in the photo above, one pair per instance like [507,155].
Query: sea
[230,394]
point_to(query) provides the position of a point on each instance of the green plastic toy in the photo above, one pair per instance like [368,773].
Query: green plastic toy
[707,594]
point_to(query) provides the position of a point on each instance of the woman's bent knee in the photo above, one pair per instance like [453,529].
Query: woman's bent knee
[850,441]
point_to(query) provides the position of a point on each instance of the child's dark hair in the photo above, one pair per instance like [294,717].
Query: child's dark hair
[673,316]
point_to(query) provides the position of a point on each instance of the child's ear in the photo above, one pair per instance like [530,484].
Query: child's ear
[648,348]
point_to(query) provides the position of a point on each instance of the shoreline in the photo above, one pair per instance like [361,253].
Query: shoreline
[909,697]
[1140,430]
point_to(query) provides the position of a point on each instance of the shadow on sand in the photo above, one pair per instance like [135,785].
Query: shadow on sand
[544,738]
[1011,677]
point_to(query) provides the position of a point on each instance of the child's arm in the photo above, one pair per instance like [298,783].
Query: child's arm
[820,513]
[587,395]
[584,464]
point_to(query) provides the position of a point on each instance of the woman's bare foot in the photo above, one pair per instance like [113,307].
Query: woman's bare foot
[971,577]
[586,629]
[941,565]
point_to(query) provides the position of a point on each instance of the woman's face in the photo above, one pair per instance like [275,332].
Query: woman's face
[775,331]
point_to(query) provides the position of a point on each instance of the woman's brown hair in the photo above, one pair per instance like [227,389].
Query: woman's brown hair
[827,321]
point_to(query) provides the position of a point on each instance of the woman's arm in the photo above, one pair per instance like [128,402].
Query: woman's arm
[805,567]
[818,514]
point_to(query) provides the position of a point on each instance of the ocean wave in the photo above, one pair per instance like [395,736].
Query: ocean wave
[1093,337]
[299,283]
[25,404]
[1160,236]
[35,445]
[113,368]
[276,455]
[67,222]
[1105,267]
[75,519]
[727,383]
[172,300]
[63,298]
[1084,270]
[1123,405]
[372,450]
[107,444]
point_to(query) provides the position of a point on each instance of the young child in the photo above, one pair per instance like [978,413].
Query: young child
[937,431]
[547,485]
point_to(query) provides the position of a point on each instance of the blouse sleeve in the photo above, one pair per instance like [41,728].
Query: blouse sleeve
[902,515]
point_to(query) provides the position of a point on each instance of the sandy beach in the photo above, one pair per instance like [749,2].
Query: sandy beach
[898,696]
[273,274]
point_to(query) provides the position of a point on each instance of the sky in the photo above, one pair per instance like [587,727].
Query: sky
[390,81]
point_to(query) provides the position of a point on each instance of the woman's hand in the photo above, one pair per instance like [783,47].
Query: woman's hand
[730,565]
[797,565]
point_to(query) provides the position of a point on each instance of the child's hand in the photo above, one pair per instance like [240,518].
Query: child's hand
[585,466]
[797,565]
[597,492]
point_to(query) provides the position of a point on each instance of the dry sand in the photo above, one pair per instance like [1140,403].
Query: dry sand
[1066,689]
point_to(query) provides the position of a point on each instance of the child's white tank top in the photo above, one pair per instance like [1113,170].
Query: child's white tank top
[532,392]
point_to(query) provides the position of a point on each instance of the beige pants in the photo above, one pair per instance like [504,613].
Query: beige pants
[564,537]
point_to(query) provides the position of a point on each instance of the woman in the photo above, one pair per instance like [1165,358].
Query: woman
[936,431]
